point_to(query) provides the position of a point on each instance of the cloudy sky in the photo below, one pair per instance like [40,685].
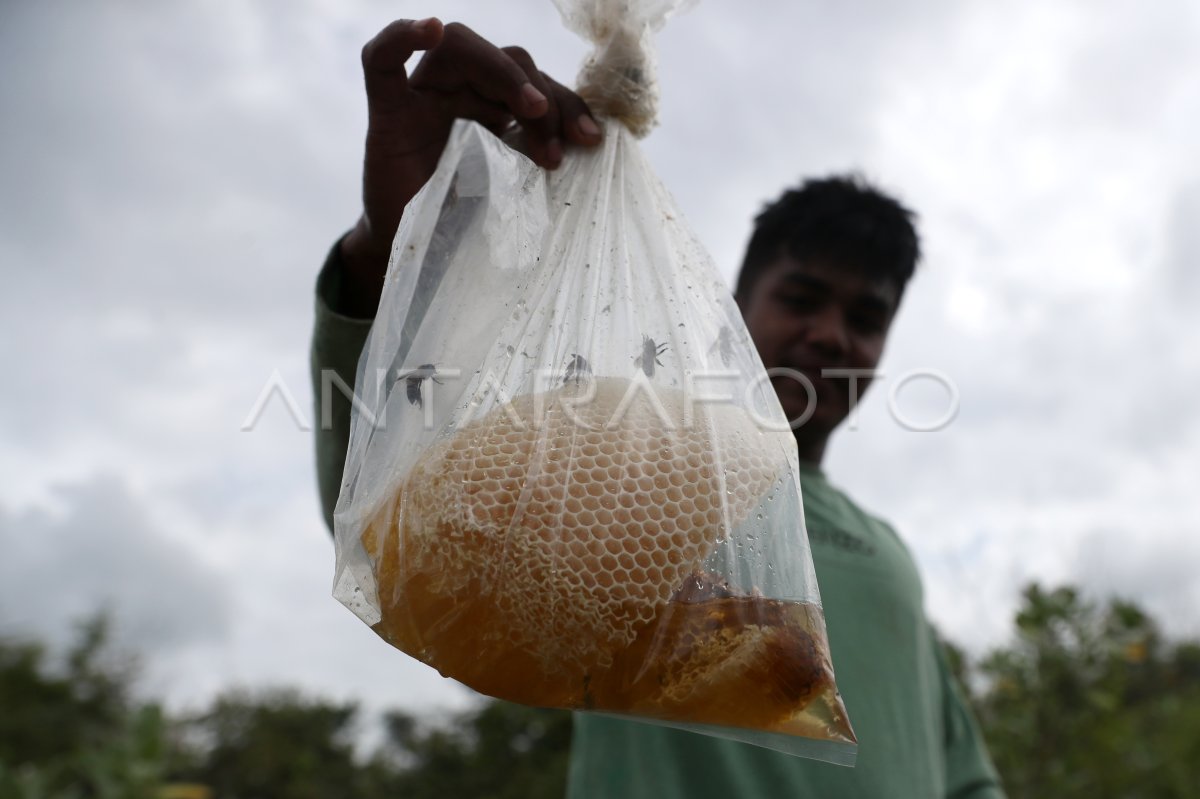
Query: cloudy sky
[173,174]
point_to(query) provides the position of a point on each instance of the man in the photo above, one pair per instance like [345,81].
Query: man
[819,286]
[821,282]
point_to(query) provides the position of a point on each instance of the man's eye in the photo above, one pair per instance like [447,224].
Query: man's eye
[868,323]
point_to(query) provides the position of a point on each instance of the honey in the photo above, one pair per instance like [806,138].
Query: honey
[559,562]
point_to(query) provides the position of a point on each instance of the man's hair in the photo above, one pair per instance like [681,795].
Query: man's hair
[841,219]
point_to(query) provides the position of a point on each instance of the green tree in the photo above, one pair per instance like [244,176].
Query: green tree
[47,714]
[73,731]
[277,745]
[497,751]
[1091,701]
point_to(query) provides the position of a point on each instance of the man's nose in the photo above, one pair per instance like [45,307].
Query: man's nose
[827,333]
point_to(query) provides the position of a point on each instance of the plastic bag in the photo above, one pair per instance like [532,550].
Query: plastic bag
[569,481]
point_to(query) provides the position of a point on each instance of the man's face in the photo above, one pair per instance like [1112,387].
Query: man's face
[813,315]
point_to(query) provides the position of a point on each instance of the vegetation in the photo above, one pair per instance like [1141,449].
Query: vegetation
[76,733]
[1088,700]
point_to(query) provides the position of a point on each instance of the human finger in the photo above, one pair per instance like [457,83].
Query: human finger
[384,57]
[576,122]
[468,105]
[464,60]
[543,133]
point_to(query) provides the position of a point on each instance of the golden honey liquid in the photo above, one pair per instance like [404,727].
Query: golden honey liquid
[561,564]
[735,661]
[457,636]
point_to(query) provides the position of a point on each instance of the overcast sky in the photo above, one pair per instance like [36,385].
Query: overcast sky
[173,174]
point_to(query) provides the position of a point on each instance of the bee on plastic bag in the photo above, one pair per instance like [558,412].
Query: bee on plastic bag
[414,383]
[649,357]
[578,370]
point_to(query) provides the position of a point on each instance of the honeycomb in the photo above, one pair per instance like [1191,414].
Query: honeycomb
[744,661]
[521,553]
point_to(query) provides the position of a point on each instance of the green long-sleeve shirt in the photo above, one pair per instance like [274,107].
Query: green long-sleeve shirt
[917,739]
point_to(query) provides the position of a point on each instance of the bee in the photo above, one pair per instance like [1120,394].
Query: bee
[650,352]
[723,345]
[577,369]
[413,382]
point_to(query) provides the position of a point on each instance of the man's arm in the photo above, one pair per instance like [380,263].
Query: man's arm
[409,118]
[337,341]
[969,770]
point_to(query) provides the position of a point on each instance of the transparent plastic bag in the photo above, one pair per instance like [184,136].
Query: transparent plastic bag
[569,481]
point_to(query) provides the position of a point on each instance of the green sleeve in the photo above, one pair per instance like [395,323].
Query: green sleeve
[337,341]
[969,770]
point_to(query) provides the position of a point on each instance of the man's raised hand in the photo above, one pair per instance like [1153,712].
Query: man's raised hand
[461,75]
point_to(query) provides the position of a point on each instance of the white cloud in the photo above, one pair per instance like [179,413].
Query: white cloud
[1183,237]
[176,172]
[100,549]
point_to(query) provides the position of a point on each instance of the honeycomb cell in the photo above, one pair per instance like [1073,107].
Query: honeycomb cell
[516,555]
